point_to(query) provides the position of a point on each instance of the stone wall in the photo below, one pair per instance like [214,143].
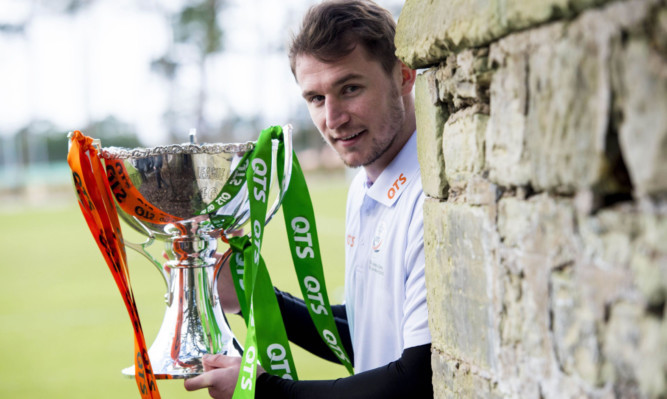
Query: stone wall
[543,144]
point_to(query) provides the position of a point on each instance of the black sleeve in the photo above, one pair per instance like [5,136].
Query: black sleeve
[301,329]
[408,377]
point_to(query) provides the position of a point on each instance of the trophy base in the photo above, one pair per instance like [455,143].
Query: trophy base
[175,373]
[129,373]
[167,368]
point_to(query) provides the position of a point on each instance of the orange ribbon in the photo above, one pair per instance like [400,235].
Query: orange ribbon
[130,199]
[98,209]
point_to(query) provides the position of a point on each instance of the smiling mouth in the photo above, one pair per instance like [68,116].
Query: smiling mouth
[351,137]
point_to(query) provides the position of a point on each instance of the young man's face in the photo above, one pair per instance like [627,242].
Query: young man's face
[356,106]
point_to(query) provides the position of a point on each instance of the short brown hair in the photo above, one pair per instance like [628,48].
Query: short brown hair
[332,29]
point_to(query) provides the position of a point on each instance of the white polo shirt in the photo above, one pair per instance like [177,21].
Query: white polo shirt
[385,294]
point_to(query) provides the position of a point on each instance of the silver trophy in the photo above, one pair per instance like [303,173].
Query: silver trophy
[161,192]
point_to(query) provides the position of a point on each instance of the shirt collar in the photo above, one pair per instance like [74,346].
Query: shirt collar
[398,175]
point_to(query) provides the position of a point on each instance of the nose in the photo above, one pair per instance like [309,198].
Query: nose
[336,114]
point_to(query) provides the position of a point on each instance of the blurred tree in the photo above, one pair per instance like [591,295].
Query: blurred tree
[65,6]
[196,27]
[113,132]
[42,142]
[33,145]
[15,29]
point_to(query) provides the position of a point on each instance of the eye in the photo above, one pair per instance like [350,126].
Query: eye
[316,99]
[351,89]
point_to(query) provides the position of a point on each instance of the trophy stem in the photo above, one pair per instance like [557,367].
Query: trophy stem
[193,324]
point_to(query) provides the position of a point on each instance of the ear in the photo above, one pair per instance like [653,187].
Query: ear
[408,77]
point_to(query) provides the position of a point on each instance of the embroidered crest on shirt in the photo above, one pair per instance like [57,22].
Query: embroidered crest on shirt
[376,264]
[380,232]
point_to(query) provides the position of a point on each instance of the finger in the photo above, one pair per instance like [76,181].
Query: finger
[219,361]
[201,381]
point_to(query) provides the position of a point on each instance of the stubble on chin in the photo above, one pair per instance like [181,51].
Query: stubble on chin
[394,124]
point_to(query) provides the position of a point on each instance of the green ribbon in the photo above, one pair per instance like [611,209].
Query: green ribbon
[305,249]
[264,315]
[266,339]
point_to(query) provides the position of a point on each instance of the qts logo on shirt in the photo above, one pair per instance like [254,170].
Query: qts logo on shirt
[395,188]
[350,240]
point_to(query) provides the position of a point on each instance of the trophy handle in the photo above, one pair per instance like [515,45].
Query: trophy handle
[141,249]
[287,172]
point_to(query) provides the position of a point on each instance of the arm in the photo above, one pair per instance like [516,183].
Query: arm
[407,377]
[298,324]
[301,329]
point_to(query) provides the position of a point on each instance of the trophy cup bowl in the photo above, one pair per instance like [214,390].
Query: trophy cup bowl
[161,192]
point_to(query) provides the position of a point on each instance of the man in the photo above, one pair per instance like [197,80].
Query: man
[359,96]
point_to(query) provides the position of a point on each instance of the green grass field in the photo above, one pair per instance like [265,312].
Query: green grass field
[64,331]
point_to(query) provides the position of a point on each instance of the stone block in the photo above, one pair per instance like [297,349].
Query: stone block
[652,363]
[557,105]
[568,106]
[463,145]
[541,225]
[512,315]
[457,380]
[632,348]
[649,260]
[430,120]
[607,236]
[654,234]
[650,277]
[641,98]
[575,328]
[462,80]
[507,157]
[459,249]
[428,31]
[524,319]
[480,191]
